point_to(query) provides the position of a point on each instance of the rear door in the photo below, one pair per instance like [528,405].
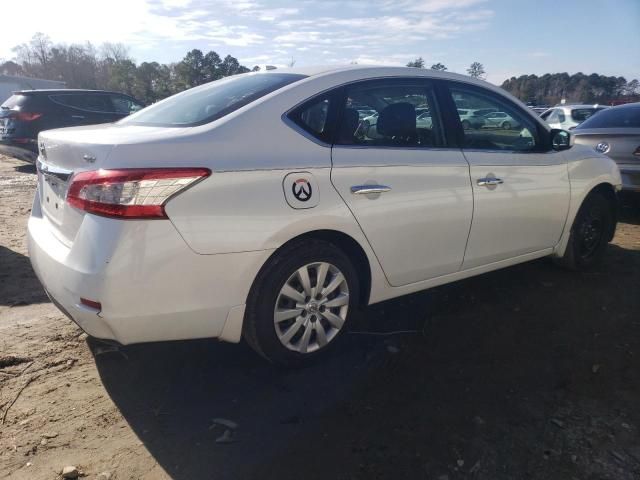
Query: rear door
[520,187]
[410,194]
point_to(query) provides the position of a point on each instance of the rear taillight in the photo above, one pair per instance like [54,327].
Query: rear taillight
[26,116]
[130,193]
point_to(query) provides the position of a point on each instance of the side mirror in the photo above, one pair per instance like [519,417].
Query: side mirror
[561,139]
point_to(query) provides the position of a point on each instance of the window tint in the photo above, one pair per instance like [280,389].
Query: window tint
[91,102]
[124,105]
[581,114]
[619,117]
[561,115]
[212,101]
[389,114]
[502,127]
[313,117]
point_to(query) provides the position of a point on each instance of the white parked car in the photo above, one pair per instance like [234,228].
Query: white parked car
[252,207]
[568,117]
[500,120]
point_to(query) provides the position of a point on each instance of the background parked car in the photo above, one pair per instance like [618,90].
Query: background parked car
[568,117]
[470,119]
[500,120]
[28,112]
[616,133]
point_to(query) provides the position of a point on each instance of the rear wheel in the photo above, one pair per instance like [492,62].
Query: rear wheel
[506,125]
[300,302]
[466,124]
[590,233]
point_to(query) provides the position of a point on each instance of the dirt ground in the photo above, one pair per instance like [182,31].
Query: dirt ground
[527,373]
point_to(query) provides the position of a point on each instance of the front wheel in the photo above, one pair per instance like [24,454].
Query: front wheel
[300,302]
[590,233]
[506,125]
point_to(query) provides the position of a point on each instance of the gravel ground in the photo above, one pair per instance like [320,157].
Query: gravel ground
[527,373]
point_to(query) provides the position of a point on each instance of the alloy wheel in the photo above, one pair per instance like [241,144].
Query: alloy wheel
[311,307]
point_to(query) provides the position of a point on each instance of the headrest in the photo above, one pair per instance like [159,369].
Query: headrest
[397,120]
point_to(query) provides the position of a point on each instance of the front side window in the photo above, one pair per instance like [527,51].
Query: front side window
[389,114]
[561,116]
[124,105]
[495,124]
[211,101]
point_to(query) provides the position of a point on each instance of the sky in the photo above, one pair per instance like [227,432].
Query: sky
[509,38]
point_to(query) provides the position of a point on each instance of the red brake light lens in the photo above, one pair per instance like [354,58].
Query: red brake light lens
[133,193]
[27,116]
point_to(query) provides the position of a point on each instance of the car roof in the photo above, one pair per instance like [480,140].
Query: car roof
[371,71]
[49,91]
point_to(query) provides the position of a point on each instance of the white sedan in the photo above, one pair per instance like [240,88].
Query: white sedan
[255,207]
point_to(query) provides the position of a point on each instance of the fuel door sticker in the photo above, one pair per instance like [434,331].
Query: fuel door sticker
[301,190]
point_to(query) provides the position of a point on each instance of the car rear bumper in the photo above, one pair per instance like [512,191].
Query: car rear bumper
[151,285]
[630,177]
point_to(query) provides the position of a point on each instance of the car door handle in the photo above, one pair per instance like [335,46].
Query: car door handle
[367,189]
[488,181]
[78,117]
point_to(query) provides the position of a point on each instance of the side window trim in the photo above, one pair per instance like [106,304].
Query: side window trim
[80,109]
[542,145]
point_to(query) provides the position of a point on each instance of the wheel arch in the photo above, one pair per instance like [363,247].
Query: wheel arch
[608,191]
[347,244]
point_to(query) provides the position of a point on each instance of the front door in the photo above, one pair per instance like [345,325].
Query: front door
[411,196]
[520,191]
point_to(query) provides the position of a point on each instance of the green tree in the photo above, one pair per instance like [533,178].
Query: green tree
[439,67]
[417,63]
[476,70]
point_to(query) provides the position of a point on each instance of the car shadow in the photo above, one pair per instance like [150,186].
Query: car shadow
[171,392]
[18,282]
[630,214]
[515,330]
[26,168]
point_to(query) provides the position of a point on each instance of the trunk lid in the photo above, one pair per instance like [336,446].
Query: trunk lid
[617,143]
[64,152]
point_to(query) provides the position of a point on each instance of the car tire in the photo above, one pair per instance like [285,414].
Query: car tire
[590,234]
[310,329]
[466,125]
[506,125]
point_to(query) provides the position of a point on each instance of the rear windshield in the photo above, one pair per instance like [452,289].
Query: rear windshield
[14,101]
[210,102]
[620,117]
[581,114]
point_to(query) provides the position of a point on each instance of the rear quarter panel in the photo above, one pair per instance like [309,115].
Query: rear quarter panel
[587,169]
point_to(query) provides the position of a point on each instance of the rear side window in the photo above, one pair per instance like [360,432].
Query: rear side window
[87,101]
[313,117]
[619,117]
[404,115]
[212,101]
[581,114]
[504,127]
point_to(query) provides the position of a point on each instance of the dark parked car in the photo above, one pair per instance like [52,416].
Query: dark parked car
[616,133]
[26,113]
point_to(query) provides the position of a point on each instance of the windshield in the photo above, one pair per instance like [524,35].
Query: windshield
[210,102]
[581,114]
[620,117]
